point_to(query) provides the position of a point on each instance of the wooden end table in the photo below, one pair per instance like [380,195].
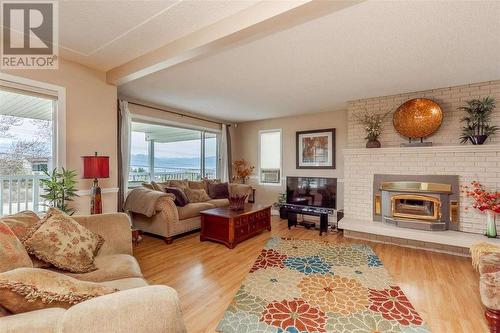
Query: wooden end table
[231,227]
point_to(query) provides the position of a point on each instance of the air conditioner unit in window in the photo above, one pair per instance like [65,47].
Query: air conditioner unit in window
[270,176]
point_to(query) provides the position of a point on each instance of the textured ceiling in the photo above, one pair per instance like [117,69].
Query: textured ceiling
[371,49]
[106,34]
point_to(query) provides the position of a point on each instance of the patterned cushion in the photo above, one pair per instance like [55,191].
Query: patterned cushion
[181,199]
[21,222]
[148,186]
[29,289]
[218,191]
[12,252]
[156,186]
[198,185]
[212,181]
[63,242]
[178,183]
[196,195]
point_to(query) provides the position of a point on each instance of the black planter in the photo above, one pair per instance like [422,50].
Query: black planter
[283,213]
[478,139]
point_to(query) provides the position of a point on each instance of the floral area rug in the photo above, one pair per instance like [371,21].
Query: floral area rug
[299,286]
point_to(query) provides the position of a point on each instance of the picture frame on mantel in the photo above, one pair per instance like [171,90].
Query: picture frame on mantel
[315,149]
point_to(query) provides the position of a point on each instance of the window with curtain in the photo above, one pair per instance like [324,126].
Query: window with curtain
[270,156]
[27,147]
[160,153]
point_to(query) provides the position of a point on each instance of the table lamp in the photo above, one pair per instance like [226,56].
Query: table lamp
[95,167]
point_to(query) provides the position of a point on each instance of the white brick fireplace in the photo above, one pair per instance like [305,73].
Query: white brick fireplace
[446,157]
[470,163]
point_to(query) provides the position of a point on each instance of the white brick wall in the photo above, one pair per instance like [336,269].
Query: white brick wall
[445,158]
[449,98]
[470,163]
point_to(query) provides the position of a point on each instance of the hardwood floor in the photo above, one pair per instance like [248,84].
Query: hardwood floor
[443,288]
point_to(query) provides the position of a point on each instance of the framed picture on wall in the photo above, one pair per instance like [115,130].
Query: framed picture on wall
[316,149]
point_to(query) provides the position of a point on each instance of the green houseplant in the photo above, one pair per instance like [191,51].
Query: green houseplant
[280,205]
[59,188]
[478,114]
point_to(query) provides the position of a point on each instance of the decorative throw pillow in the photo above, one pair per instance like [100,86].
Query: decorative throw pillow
[148,186]
[21,222]
[155,186]
[198,185]
[196,195]
[218,191]
[212,181]
[12,252]
[29,289]
[181,199]
[178,183]
[63,242]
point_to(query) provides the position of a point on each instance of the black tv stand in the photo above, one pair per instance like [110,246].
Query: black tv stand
[293,211]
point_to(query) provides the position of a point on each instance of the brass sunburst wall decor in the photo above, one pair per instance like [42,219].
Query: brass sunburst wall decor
[416,119]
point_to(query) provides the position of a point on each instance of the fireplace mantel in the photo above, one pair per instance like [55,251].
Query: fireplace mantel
[420,150]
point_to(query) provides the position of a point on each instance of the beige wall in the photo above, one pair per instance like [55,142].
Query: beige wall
[245,145]
[90,121]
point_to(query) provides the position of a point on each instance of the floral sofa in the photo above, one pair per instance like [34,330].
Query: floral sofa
[136,307]
[170,220]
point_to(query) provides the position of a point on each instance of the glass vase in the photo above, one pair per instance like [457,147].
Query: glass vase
[491,227]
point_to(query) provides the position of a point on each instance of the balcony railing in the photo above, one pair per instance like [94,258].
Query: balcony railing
[136,178]
[18,193]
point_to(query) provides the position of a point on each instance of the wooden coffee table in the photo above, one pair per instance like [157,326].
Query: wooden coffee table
[231,227]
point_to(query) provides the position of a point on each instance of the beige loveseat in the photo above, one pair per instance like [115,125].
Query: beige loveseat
[137,307]
[171,220]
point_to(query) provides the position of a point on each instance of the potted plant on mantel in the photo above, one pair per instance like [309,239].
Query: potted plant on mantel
[478,114]
[372,124]
[485,201]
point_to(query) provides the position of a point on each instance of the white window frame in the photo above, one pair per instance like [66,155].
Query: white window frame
[59,114]
[163,122]
[281,156]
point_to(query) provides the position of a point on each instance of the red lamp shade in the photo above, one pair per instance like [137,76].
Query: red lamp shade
[95,167]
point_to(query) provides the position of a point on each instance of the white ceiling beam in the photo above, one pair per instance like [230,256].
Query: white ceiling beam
[262,19]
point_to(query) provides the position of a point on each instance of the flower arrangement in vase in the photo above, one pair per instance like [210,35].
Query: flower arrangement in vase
[372,124]
[485,201]
[243,170]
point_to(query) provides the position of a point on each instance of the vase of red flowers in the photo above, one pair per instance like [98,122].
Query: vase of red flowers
[487,202]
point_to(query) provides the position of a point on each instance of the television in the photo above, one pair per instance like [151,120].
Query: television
[312,191]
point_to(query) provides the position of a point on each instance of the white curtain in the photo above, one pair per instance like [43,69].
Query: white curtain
[224,175]
[125,130]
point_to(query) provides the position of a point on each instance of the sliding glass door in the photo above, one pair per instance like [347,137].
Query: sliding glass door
[161,153]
